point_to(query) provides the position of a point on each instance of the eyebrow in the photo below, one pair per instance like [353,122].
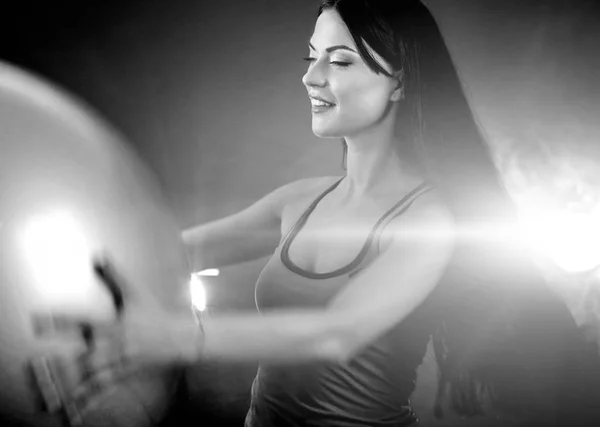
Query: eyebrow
[334,48]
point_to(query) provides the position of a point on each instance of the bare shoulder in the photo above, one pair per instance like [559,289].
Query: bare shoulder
[296,193]
[251,233]
[429,220]
[306,186]
[430,207]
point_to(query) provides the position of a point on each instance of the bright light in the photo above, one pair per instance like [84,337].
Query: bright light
[208,272]
[59,256]
[198,293]
[571,240]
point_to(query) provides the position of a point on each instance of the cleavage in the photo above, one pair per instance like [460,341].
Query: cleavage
[328,242]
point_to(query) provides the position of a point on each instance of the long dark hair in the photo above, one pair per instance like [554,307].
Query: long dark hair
[502,339]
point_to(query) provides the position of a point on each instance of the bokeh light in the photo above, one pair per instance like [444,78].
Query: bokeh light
[59,256]
[198,293]
[570,239]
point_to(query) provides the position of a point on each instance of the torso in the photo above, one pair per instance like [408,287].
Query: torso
[336,231]
[325,251]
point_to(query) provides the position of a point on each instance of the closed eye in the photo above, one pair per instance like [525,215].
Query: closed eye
[338,63]
[341,63]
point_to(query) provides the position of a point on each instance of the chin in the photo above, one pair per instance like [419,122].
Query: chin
[326,132]
[326,135]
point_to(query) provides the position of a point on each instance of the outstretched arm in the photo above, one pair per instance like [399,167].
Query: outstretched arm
[418,247]
[375,300]
[246,235]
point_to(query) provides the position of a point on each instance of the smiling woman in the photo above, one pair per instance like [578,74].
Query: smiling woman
[365,269]
[342,85]
[389,258]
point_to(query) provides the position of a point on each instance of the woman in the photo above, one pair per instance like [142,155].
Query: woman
[365,268]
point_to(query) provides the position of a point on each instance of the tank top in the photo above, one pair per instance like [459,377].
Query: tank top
[373,388]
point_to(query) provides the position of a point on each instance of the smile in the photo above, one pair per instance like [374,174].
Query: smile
[320,103]
[320,106]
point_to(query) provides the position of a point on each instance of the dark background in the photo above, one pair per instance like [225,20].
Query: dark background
[209,94]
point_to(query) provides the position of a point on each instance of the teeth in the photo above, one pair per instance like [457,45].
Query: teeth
[318,103]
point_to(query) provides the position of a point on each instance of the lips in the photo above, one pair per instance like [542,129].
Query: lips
[318,101]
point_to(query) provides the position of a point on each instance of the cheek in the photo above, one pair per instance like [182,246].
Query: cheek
[363,100]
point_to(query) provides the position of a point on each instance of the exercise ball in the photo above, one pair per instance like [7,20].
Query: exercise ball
[71,189]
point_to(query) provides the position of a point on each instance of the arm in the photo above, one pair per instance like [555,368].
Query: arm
[246,235]
[374,301]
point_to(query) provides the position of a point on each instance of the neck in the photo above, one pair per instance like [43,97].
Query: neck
[374,166]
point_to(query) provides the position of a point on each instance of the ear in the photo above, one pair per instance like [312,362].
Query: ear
[398,92]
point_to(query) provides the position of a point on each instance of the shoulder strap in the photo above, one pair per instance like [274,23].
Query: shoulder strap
[302,219]
[372,248]
[398,210]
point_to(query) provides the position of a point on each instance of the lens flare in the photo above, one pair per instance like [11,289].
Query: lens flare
[59,256]
[571,240]
[209,272]
[557,193]
[198,293]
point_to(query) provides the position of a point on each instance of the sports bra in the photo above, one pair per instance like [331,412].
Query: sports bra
[373,389]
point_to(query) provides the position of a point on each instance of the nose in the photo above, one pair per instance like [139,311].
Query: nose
[315,76]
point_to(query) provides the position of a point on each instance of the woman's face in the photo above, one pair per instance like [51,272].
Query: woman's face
[355,97]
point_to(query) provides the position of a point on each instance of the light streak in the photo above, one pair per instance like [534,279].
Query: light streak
[198,293]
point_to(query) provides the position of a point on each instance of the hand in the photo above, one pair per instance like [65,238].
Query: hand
[142,341]
[140,335]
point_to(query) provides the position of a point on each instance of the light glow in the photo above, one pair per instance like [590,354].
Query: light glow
[208,272]
[570,239]
[198,293]
[59,255]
